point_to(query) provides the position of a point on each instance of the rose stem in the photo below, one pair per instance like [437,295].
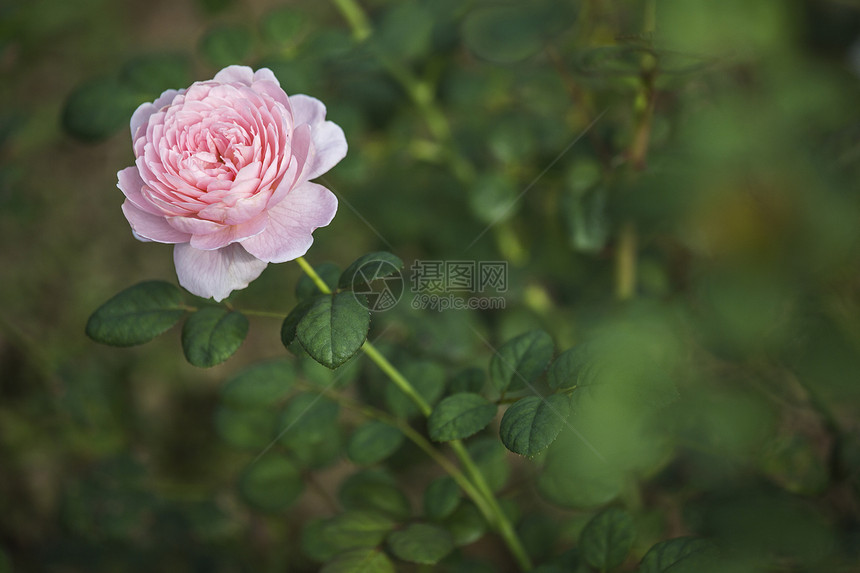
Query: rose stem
[497,516]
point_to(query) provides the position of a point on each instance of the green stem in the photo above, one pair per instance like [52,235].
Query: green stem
[356,17]
[494,512]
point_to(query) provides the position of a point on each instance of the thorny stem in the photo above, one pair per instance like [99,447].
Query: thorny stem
[478,483]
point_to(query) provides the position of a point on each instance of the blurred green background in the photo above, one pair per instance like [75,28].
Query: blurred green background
[740,328]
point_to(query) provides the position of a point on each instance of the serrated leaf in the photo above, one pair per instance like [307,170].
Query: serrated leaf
[260,385]
[225,44]
[357,529]
[271,483]
[306,287]
[362,560]
[98,108]
[520,361]
[533,423]
[573,367]
[459,416]
[607,538]
[137,314]
[421,543]
[441,498]
[288,328]
[333,328]
[374,490]
[428,380]
[368,268]
[373,442]
[212,334]
[679,555]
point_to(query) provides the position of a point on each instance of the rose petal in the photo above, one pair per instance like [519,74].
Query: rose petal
[307,109]
[152,227]
[240,74]
[291,222]
[230,234]
[130,183]
[144,111]
[215,274]
[329,148]
[265,74]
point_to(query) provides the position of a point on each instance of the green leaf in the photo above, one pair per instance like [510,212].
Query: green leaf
[493,198]
[313,544]
[224,45]
[421,543]
[246,428]
[137,314]
[357,529]
[467,380]
[306,287]
[405,31]
[261,385]
[586,219]
[291,322]
[374,490]
[533,423]
[333,328]
[366,269]
[152,74]
[466,524]
[679,555]
[607,538]
[520,361]
[361,560]
[307,419]
[459,416]
[212,334]
[428,379]
[272,483]
[576,477]
[441,498]
[504,33]
[373,442]
[98,108]
[573,367]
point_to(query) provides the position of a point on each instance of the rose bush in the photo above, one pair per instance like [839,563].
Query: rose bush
[223,171]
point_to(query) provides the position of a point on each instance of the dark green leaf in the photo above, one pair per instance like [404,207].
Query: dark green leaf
[260,385]
[333,328]
[493,198]
[306,287]
[421,543]
[313,542]
[374,490]
[573,367]
[373,442]
[357,529]
[574,476]
[520,361]
[428,379]
[212,334]
[137,314]
[99,108]
[467,380]
[539,533]
[679,555]
[368,268]
[441,498]
[271,483]
[224,45]
[533,423]
[466,524]
[361,560]
[459,416]
[607,538]
[288,328]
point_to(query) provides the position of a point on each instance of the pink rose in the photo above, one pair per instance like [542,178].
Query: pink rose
[223,172]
